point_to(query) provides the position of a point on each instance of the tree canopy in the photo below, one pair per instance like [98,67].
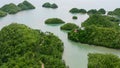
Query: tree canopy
[10,8]
[113,19]
[74,17]
[2,13]
[82,11]
[54,5]
[101,11]
[23,47]
[28,4]
[92,11]
[13,9]
[116,12]
[49,5]
[69,26]
[76,10]
[98,30]
[107,37]
[25,5]
[54,21]
[98,20]
[97,60]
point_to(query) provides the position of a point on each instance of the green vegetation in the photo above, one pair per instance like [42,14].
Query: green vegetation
[101,11]
[116,12]
[13,9]
[110,13]
[82,11]
[22,6]
[23,47]
[29,5]
[48,5]
[10,8]
[113,19]
[101,21]
[26,5]
[54,6]
[2,13]
[107,37]
[74,17]
[92,11]
[54,21]
[99,30]
[76,10]
[69,26]
[103,61]
[97,20]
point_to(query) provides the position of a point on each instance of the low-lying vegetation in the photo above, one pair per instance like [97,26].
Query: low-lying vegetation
[74,17]
[97,60]
[76,10]
[69,26]
[48,5]
[91,11]
[54,21]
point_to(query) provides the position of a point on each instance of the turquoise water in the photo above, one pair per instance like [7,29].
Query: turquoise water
[75,54]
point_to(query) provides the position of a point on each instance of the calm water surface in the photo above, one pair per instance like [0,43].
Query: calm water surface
[75,54]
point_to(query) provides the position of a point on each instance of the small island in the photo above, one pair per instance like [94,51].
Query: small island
[69,26]
[13,8]
[2,13]
[10,8]
[74,17]
[54,6]
[92,11]
[115,12]
[46,5]
[25,5]
[96,60]
[54,21]
[83,11]
[76,10]
[49,5]
[24,47]
[101,11]
[98,30]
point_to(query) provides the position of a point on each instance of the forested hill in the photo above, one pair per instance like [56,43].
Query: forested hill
[23,47]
